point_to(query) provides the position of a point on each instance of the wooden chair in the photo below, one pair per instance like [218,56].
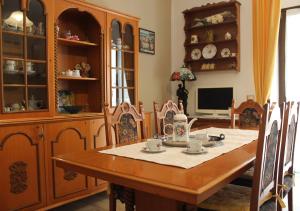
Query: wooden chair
[286,164]
[249,112]
[164,116]
[263,195]
[125,120]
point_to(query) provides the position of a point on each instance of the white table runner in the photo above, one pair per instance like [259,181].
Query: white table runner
[173,156]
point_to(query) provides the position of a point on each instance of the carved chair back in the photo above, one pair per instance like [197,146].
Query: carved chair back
[125,122]
[266,166]
[249,115]
[164,116]
[289,131]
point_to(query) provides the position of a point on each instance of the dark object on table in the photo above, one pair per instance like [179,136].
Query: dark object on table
[72,109]
[217,138]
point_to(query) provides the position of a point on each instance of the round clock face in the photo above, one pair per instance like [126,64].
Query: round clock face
[225,52]
[209,51]
[196,54]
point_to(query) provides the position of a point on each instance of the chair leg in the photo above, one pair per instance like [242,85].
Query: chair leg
[112,202]
[290,200]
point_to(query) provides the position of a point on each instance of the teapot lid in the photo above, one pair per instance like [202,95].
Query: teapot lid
[180,116]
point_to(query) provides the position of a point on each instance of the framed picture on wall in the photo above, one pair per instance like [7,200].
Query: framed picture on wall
[147,41]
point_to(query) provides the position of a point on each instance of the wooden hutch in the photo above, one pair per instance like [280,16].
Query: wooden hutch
[41,42]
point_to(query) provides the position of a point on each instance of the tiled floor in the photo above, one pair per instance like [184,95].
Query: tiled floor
[99,202]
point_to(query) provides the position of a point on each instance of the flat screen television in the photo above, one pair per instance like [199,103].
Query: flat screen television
[214,101]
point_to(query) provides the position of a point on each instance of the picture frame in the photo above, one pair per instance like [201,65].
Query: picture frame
[146,41]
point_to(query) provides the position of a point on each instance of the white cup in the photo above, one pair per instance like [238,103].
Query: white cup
[76,73]
[194,145]
[203,137]
[69,73]
[154,144]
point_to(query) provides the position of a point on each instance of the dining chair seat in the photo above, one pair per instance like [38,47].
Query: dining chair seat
[233,198]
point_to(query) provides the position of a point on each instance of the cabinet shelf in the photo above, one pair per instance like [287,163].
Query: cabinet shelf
[229,69]
[23,34]
[211,60]
[210,25]
[205,43]
[27,60]
[76,78]
[67,42]
[14,85]
[123,50]
[13,33]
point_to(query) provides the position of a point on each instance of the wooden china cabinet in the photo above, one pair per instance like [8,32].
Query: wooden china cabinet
[42,43]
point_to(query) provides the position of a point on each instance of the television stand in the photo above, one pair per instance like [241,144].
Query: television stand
[210,120]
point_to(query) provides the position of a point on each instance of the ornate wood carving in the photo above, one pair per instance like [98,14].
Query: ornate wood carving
[125,195]
[69,175]
[18,177]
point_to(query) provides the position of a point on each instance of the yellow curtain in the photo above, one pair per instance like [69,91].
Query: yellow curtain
[266,18]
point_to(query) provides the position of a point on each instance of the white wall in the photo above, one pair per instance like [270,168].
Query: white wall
[154,70]
[241,81]
[289,3]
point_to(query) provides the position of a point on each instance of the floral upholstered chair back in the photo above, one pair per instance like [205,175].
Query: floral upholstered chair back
[164,117]
[267,160]
[249,115]
[289,132]
[125,122]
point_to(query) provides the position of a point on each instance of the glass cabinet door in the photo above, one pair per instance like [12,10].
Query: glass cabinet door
[122,64]
[24,71]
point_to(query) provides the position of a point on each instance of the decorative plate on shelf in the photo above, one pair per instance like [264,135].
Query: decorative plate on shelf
[225,52]
[209,51]
[196,54]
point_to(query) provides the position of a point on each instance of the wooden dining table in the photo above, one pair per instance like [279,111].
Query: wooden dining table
[162,187]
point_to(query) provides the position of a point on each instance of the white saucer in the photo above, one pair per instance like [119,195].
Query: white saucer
[11,71]
[147,150]
[202,151]
[213,144]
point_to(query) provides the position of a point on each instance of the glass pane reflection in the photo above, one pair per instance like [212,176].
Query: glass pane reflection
[36,48]
[37,98]
[13,45]
[13,72]
[14,99]
[116,78]
[116,96]
[36,73]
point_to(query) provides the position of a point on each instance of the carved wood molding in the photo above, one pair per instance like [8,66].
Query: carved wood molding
[18,177]
[125,195]
[5,139]
[97,135]
[69,175]
[66,129]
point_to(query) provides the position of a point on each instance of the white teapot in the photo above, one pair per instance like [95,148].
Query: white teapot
[181,127]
